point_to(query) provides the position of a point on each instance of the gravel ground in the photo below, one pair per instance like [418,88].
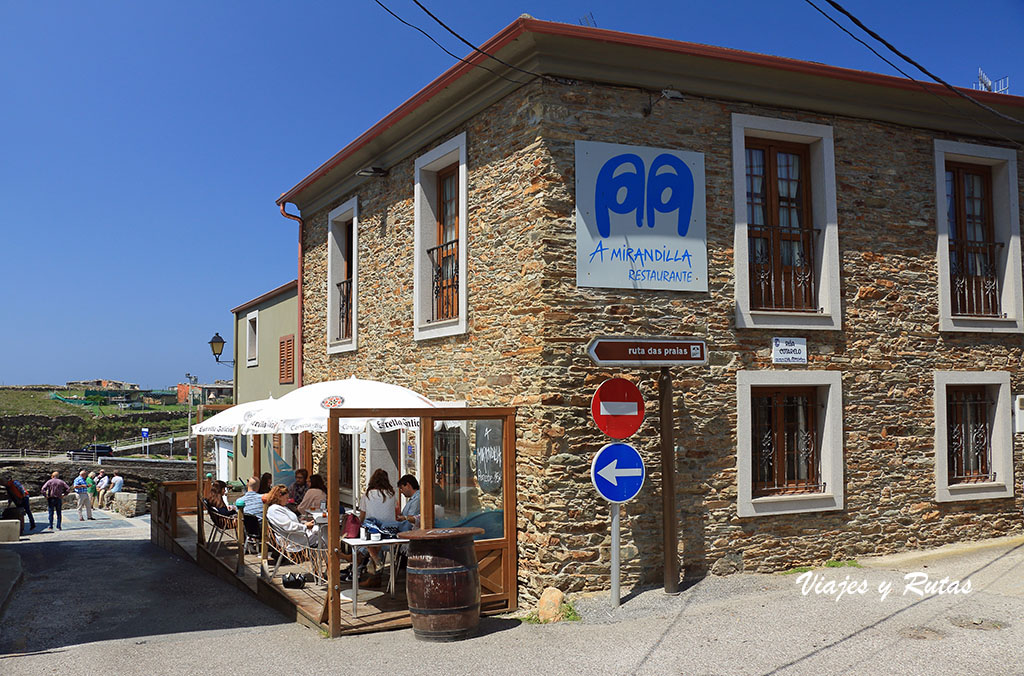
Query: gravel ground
[103,595]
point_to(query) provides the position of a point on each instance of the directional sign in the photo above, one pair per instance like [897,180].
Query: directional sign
[647,352]
[618,408]
[145,433]
[618,472]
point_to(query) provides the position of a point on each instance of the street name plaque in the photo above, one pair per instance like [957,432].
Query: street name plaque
[647,352]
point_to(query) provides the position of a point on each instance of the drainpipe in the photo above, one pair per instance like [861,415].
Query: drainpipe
[305,449]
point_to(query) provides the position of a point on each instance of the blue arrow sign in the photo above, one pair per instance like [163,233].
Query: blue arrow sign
[618,472]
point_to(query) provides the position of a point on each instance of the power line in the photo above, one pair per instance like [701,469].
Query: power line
[430,37]
[477,49]
[920,84]
[921,68]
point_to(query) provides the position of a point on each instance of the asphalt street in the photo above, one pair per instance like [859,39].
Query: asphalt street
[98,593]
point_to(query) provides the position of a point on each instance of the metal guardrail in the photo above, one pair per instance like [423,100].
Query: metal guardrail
[161,437]
[25,453]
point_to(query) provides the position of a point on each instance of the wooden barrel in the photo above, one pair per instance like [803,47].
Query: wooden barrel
[442,583]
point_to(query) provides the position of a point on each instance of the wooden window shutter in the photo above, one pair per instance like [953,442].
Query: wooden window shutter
[286,353]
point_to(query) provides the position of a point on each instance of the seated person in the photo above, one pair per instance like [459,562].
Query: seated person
[316,493]
[287,524]
[299,487]
[410,490]
[379,506]
[252,498]
[266,480]
[215,498]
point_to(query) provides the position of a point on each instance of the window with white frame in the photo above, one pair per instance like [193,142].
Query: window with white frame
[978,225]
[786,240]
[343,277]
[789,439]
[440,241]
[973,436]
[252,338]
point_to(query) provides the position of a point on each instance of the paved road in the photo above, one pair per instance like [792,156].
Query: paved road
[168,617]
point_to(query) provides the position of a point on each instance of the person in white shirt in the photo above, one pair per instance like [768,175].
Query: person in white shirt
[380,503]
[102,484]
[116,484]
[287,523]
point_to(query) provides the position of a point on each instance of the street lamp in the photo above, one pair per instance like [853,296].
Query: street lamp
[217,347]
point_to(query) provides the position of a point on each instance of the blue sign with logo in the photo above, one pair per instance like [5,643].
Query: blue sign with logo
[618,472]
[640,218]
[145,433]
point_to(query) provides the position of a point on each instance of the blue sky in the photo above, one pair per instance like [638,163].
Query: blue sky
[142,145]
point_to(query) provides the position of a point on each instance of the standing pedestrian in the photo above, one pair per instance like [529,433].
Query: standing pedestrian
[102,484]
[82,493]
[18,495]
[55,489]
[91,482]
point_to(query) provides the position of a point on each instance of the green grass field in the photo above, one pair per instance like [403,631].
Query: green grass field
[25,402]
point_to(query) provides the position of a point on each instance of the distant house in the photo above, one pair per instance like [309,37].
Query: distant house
[160,397]
[100,384]
[217,393]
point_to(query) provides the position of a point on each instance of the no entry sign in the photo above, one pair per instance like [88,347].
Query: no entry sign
[618,408]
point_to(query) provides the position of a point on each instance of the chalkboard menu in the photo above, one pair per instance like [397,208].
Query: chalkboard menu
[488,455]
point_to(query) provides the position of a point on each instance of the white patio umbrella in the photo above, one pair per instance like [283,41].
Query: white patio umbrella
[229,420]
[308,408]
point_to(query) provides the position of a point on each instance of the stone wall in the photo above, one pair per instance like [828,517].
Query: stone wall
[34,473]
[528,325]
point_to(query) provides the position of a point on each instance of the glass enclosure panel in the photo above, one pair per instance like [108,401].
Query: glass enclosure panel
[467,476]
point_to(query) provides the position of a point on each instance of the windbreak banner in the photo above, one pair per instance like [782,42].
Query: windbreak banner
[640,218]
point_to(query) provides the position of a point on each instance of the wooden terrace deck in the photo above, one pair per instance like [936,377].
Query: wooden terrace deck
[304,605]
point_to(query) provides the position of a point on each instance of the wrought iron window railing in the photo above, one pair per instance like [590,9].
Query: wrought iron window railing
[782,274]
[969,444]
[444,260]
[974,278]
[785,443]
[344,310]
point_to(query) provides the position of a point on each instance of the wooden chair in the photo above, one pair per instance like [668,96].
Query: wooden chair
[221,525]
[311,559]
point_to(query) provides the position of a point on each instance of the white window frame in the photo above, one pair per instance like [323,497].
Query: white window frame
[425,209]
[818,139]
[830,423]
[998,383]
[252,338]
[336,220]
[1006,228]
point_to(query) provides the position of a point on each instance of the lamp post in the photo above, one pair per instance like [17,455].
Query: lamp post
[217,347]
[190,380]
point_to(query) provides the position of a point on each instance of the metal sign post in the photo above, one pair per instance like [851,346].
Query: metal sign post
[664,352]
[618,474]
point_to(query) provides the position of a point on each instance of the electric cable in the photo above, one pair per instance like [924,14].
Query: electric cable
[924,88]
[442,47]
[477,49]
[924,70]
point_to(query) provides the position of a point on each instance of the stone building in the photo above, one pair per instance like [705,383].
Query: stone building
[446,250]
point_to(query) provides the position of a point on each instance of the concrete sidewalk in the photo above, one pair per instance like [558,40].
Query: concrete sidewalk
[11,569]
[179,618]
